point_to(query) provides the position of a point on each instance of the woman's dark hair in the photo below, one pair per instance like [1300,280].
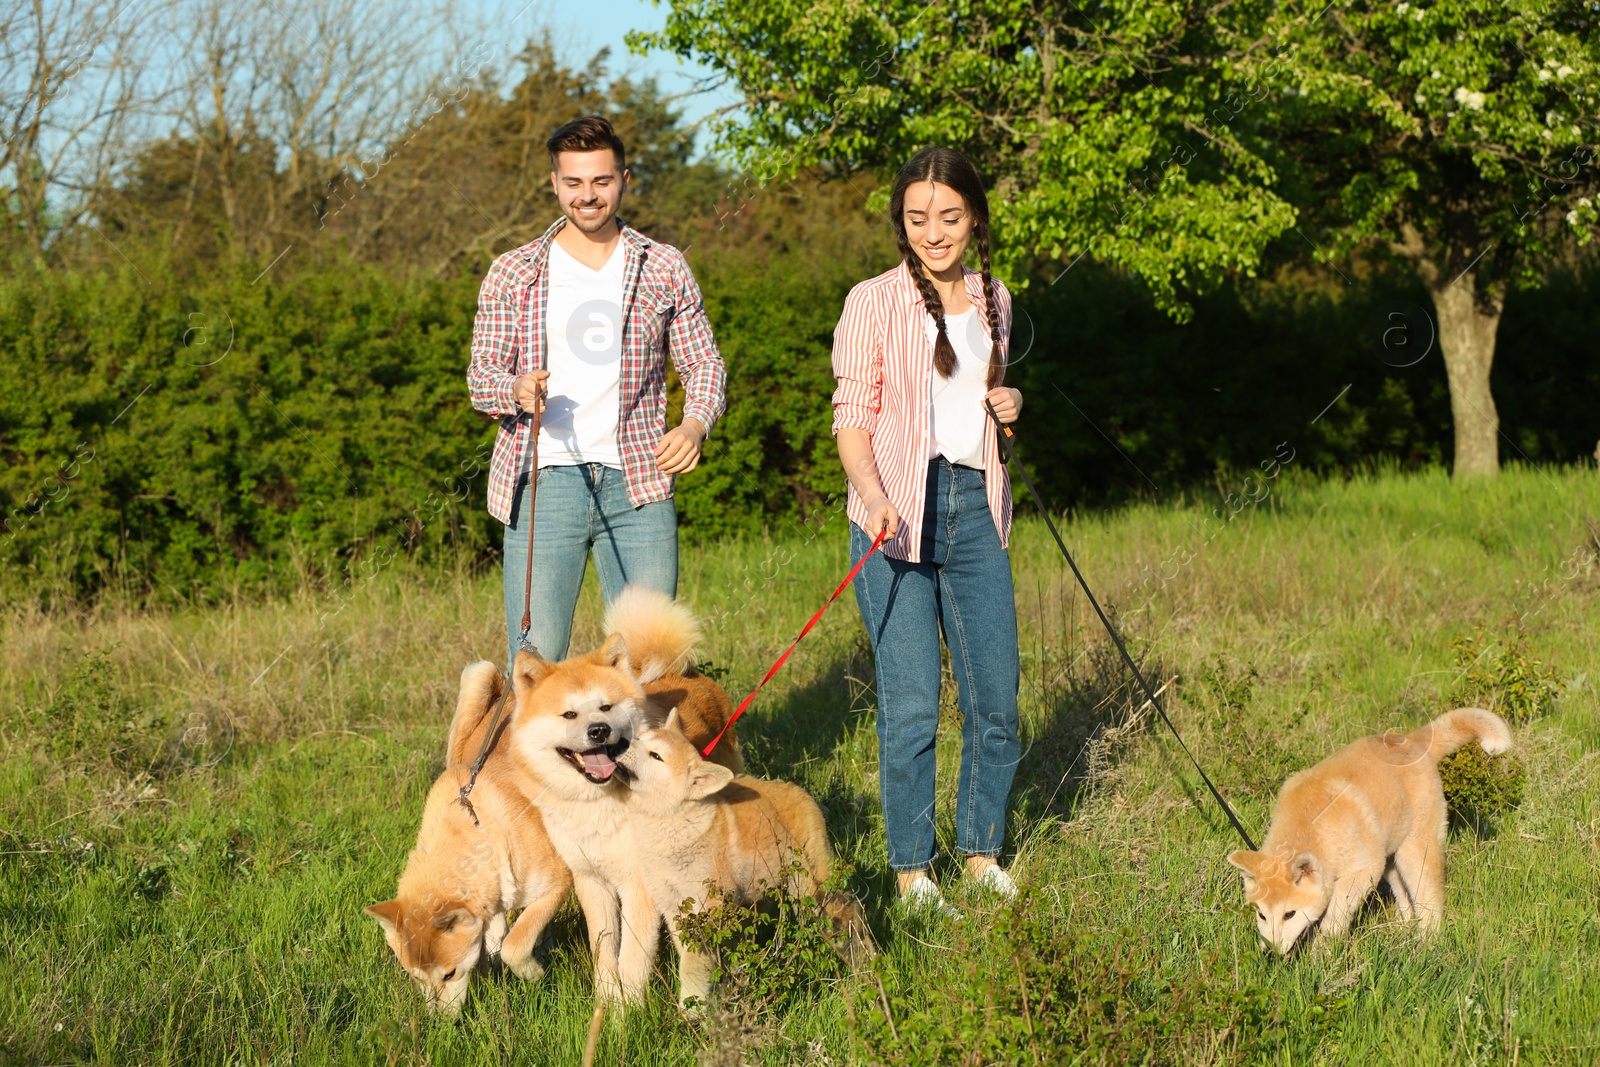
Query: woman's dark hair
[946,166]
[592,133]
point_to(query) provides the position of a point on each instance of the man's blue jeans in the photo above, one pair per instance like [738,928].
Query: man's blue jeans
[580,508]
[963,588]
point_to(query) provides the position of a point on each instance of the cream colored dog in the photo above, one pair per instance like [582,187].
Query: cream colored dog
[695,825]
[574,721]
[473,863]
[1373,809]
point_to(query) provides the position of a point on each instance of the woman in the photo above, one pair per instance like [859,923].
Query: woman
[918,353]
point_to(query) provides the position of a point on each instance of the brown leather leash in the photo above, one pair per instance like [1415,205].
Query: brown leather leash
[527,610]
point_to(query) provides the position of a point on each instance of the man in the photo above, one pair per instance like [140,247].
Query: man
[582,320]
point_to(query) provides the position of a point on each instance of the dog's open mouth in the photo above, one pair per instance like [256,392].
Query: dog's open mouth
[599,765]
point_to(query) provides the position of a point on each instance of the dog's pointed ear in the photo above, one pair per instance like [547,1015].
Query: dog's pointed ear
[1248,862]
[674,720]
[387,914]
[445,921]
[708,779]
[528,670]
[1304,866]
[614,653]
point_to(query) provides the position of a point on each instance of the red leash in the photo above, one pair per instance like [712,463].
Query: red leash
[877,542]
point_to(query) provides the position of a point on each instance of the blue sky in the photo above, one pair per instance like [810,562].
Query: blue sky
[582,27]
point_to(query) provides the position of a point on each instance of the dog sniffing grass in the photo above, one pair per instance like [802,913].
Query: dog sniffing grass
[164,900]
[1373,810]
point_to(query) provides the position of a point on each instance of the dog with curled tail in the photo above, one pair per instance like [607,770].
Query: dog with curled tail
[1373,810]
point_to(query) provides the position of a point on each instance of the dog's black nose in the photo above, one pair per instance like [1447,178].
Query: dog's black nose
[599,733]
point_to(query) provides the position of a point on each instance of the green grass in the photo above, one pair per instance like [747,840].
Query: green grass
[195,806]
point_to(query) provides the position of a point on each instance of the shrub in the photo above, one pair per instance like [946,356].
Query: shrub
[1030,991]
[769,959]
[1479,786]
[1502,675]
[89,721]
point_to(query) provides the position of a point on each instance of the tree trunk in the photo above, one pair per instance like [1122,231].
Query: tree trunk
[1468,323]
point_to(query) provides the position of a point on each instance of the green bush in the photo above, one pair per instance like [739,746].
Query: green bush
[219,431]
[312,428]
[768,957]
[191,441]
[1028,990]
[1478,786]
[89,721]
[1502,674]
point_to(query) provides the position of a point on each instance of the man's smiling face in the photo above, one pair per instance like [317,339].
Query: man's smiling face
[589,186]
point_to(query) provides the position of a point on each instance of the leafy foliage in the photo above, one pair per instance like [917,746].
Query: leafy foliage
[1028,990]
[1500,673]
[1478,786]
[1465,127]
[767,954]
[1098,132]
[769,959]
[1184,144]
[89,720]
[228,434]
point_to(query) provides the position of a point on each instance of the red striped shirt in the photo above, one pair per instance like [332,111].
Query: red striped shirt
[883,361]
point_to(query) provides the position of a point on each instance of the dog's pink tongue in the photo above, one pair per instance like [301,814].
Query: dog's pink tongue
[599,764]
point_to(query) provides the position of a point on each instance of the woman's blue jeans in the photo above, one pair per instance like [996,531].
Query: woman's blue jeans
[581,508]
[963,588]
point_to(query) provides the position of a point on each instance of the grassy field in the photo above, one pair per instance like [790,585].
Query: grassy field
[195,806]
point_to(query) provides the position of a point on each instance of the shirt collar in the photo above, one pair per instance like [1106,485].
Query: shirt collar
[538,251]
[913,295]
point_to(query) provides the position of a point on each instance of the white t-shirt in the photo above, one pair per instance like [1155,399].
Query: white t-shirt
[956,414]
[583,339]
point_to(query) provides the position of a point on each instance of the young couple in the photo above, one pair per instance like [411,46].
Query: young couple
[582,321]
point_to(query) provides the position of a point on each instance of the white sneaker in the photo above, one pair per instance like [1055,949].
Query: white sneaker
[923,897]
[997,882]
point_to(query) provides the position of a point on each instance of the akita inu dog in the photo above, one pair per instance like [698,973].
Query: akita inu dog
[695,824]
[573,721]
[473,863]
[1373,809]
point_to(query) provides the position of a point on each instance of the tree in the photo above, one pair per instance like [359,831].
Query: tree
[1458,135]
[1175,141]
[75,76]
[1111,134]
[270,108]
[470,176]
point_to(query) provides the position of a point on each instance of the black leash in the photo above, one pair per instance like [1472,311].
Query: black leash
[527,615]
[1005,449]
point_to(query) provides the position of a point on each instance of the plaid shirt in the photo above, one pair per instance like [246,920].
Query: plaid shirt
[663,313]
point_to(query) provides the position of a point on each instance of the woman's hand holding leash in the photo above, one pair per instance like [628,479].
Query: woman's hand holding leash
[1005,402]
[881,515]
[855,452]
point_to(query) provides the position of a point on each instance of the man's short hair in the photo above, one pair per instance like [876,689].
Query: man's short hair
[592,133]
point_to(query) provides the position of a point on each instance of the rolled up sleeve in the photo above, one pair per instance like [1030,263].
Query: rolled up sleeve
[496,347]
[693,348]
[858,363]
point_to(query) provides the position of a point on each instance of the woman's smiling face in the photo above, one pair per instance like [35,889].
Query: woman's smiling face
[938,225]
